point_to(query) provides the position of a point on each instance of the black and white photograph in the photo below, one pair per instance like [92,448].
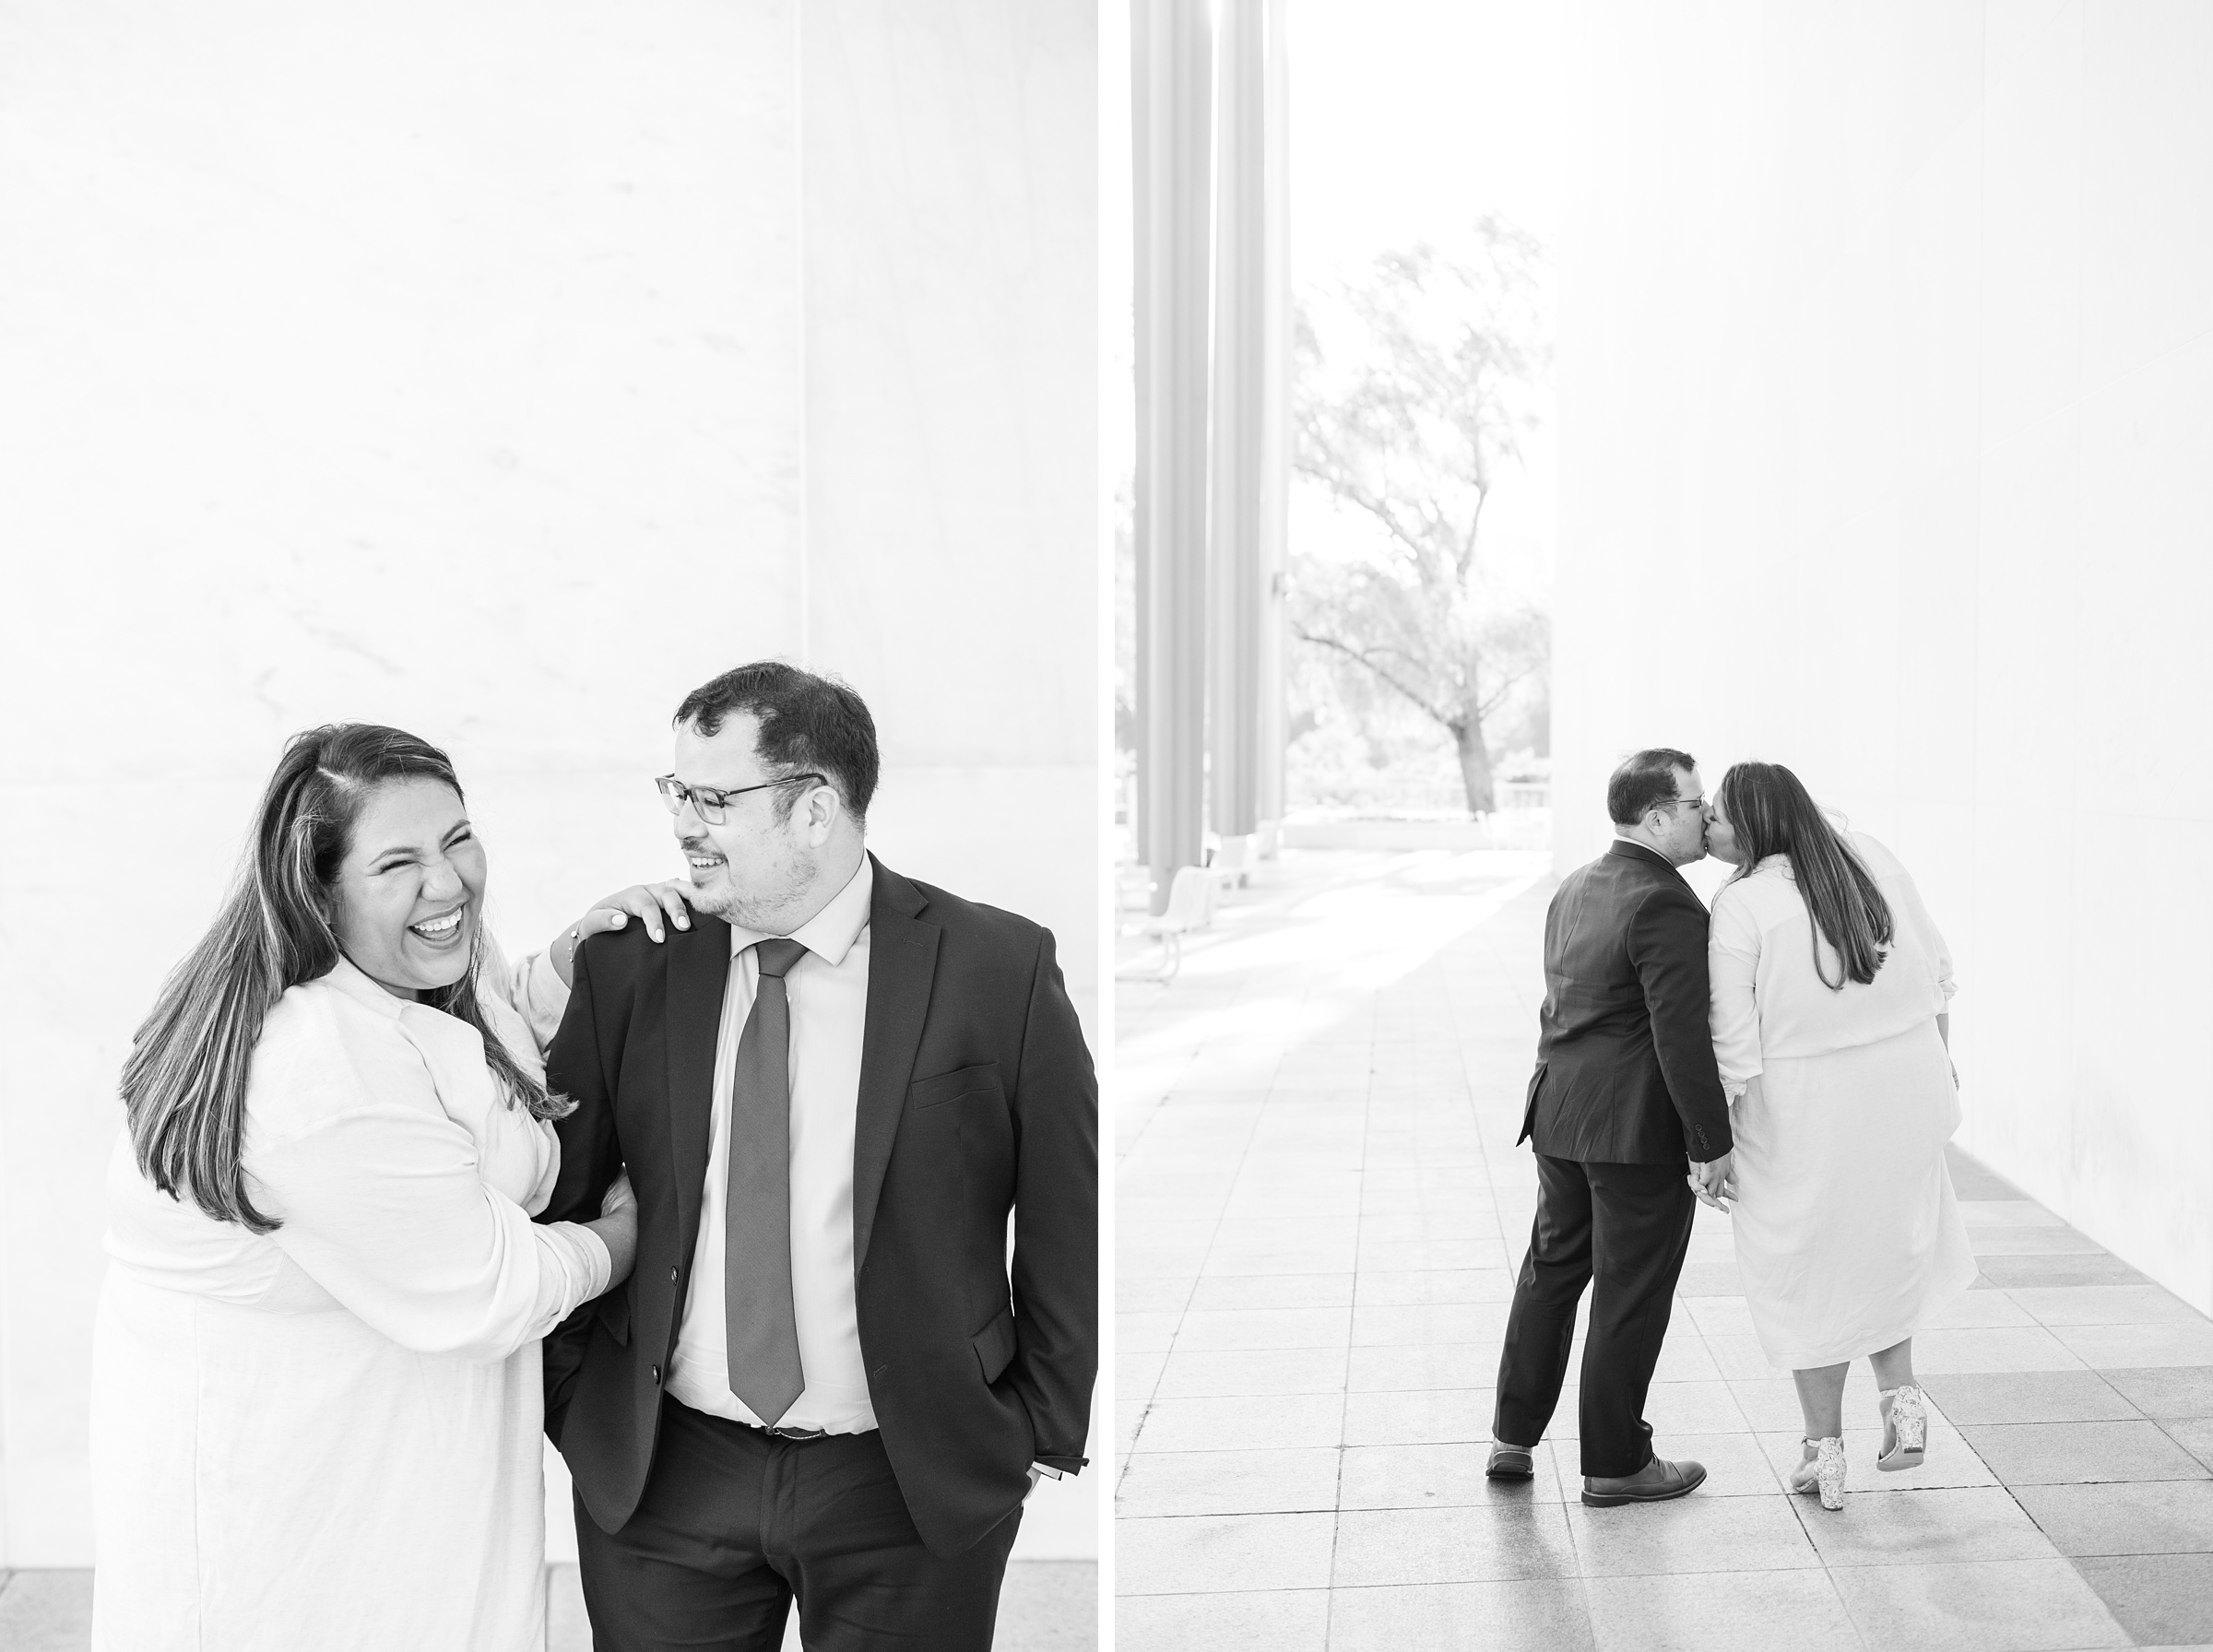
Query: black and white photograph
[1661,827]
[554,917]
[1064,825]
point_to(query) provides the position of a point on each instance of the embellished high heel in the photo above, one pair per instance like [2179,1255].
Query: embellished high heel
[1822,1472]
[1905,1427]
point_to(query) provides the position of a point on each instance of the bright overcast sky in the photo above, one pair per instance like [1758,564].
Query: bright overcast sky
[1409,120]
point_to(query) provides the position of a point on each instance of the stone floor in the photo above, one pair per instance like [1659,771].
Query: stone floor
[1046,1606]
[1320,1209]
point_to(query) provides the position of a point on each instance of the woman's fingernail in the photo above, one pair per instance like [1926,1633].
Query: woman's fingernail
[620,919]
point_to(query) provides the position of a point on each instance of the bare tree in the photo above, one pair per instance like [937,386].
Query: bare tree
[1424,396]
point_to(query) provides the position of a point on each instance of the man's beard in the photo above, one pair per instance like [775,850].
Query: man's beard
[757,908]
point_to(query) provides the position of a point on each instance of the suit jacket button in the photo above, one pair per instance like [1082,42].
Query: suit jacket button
[672,1275]
[657,1375]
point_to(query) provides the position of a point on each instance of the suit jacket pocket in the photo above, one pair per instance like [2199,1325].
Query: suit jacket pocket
[982,1079]
[994,1346]
[614,1314]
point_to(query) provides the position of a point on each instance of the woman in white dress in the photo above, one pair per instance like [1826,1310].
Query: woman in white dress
[1830,991]
[316,1402]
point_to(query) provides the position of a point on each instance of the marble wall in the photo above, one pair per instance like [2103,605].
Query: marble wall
[503,373]
[1885,388]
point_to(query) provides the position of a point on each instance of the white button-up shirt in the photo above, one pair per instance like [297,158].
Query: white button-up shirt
[828,990]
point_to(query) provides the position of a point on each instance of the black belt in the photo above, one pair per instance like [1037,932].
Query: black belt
[774,1432]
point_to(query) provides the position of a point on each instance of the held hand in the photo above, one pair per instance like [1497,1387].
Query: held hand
[1711,1182]
[619,1196]
[617,1229]
[1721,1179]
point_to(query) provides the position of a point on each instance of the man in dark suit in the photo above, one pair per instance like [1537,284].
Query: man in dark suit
[824,1379]
[1625,1094]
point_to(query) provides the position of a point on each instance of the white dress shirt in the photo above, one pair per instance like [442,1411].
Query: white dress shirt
[828,990]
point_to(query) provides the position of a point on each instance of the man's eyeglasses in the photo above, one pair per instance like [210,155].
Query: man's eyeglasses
[712,802]
[1672,803]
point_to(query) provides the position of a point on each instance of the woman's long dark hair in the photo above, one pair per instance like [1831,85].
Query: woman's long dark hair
[185,1085]
[1772,813]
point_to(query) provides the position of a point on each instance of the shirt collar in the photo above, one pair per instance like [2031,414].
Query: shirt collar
[346,977]
[1630,842]
[830,933]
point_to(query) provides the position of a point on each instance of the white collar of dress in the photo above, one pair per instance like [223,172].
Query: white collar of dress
[347,977]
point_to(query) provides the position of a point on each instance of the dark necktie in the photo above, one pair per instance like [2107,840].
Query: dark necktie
[759,1322]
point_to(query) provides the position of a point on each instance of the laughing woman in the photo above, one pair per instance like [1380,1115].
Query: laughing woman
[316,1402]
[1829,988]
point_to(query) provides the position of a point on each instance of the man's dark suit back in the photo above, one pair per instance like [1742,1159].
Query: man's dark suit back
[1626,1073]
[976,1098]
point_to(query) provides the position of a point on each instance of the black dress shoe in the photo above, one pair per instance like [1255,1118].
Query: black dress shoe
[1655,1483]
[1510,1462]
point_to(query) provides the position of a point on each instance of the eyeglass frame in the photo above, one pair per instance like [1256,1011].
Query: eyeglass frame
[1669,803]
[676,793]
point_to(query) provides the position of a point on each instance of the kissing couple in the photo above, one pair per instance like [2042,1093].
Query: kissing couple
[1790,1053]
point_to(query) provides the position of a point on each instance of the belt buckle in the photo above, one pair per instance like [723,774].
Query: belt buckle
[795,1433]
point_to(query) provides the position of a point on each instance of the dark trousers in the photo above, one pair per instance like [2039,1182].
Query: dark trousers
[733,1524]
[1624,1230]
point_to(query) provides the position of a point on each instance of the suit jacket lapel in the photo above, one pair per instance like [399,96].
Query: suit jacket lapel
[903,960]
[699,972]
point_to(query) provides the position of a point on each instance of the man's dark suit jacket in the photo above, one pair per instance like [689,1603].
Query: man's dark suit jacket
[976,1098]
[1626,1073]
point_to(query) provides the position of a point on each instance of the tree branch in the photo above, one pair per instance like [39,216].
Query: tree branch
[1361,657]
[1497,695]
[1380,509]
[1466,559]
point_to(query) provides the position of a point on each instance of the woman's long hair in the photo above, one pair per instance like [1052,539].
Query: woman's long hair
[1773,814]
[185,1085]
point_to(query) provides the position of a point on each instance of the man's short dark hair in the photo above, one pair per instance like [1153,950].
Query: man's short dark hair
[1644,778]
[807,722]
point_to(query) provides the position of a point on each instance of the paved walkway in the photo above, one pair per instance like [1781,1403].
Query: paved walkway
[1320,1209]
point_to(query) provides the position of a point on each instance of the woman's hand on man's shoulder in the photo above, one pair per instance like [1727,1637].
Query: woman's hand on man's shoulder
[656,906]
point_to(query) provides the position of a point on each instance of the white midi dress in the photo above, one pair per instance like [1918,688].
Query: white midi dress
[328,1437]
[1849,1237]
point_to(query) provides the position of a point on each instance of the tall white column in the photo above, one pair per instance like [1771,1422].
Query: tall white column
[1271,720]
[1238,401]
[1172,56]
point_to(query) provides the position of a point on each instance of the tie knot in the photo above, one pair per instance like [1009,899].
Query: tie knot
[776,957]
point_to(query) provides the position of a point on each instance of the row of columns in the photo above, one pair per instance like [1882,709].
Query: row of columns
[1213,334]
